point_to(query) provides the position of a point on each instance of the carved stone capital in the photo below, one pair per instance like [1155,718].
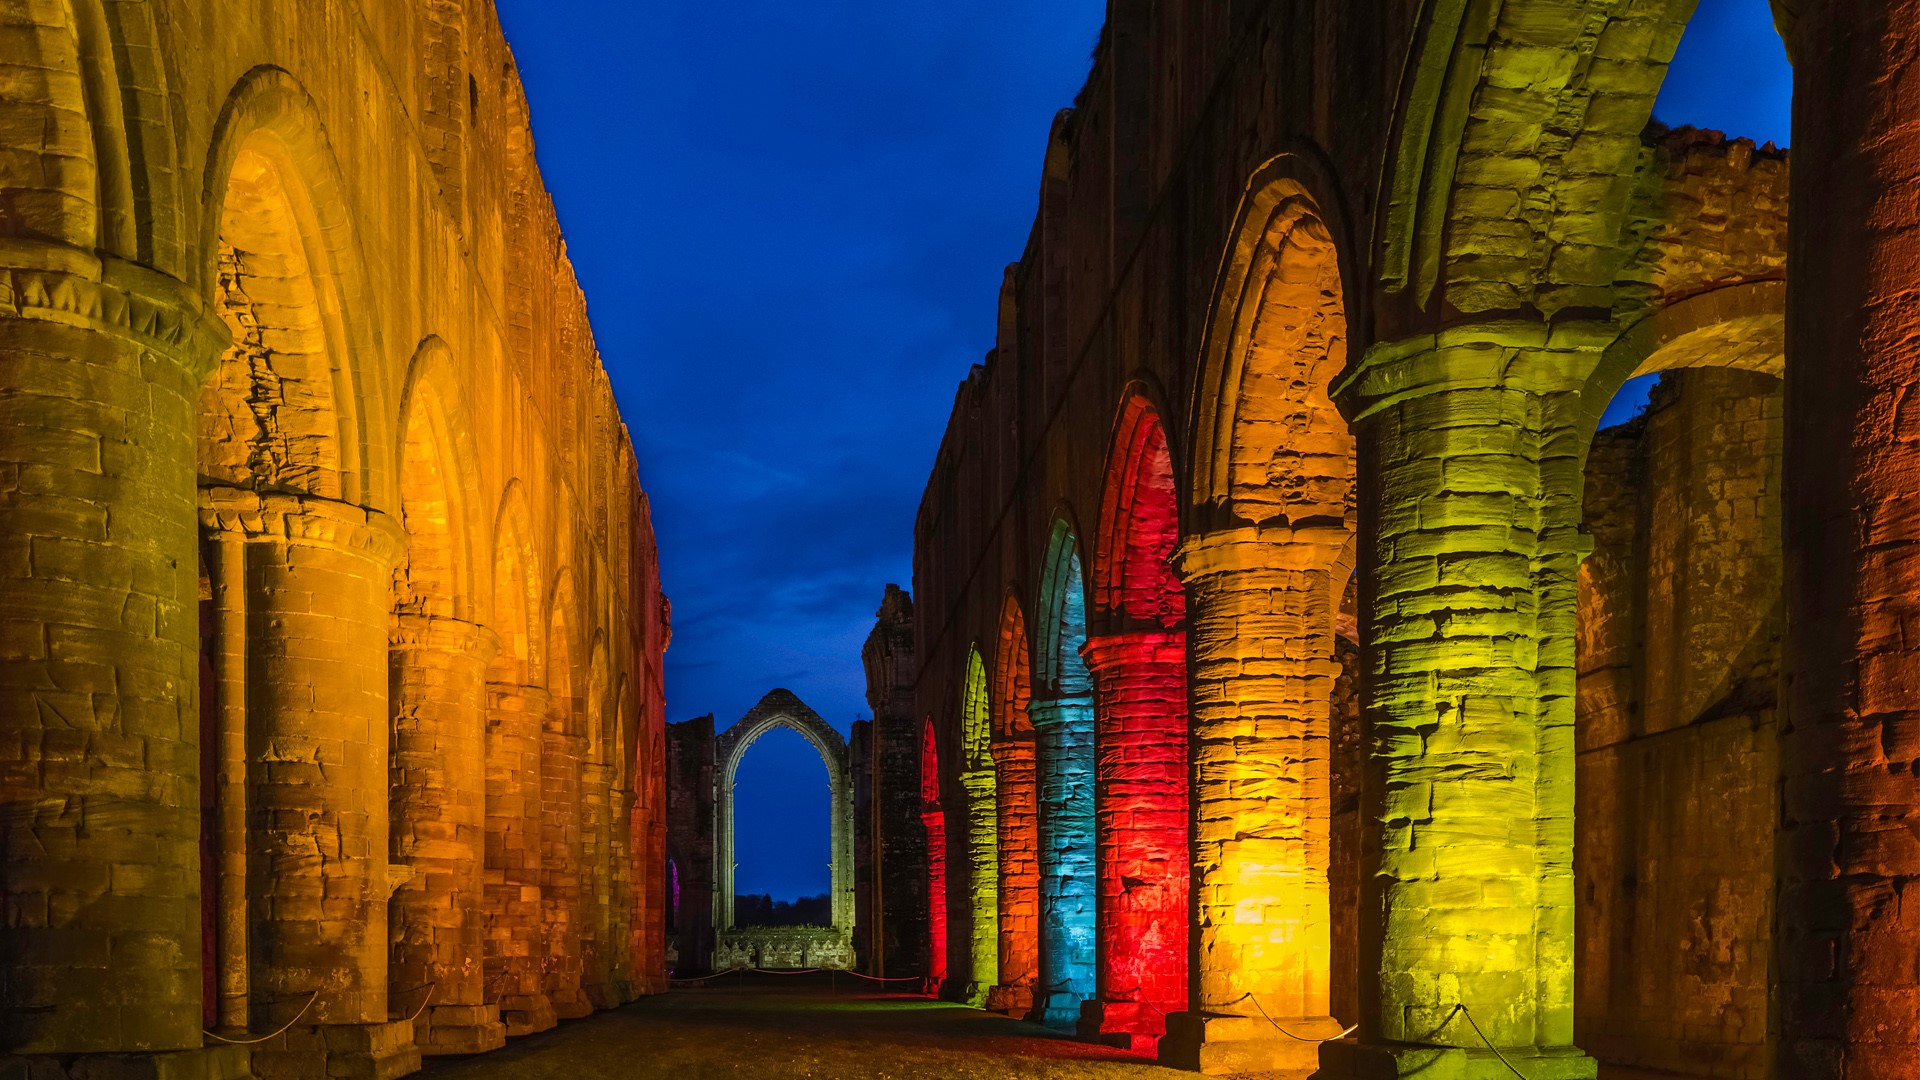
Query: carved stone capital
[61,284]
[409,631]
[1111,653]
[1257,548]
[288,518]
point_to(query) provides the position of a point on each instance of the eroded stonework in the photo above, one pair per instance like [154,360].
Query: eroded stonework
[1510,745]
[331,731]
[701,802]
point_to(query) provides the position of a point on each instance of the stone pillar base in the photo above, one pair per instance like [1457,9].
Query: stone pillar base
[1014,1001]
[525,1014]
[339,1052]
[1129,1025]
[1222,1045]
[570,1003]
[1057,1010]
[459,1029]
[1350,1059]
[216,1062]
[600,995]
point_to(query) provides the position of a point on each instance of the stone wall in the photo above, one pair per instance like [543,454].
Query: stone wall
[690,763]
[700,838]
[891,772]
[292,337]
[1679,654]
[1384,378]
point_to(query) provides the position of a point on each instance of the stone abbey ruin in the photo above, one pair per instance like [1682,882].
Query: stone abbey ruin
[1296,678]
[332,704]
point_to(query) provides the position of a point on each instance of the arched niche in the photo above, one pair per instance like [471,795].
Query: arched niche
[782,946]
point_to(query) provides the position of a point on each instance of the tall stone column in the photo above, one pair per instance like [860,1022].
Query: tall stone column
[983,885]
[1470,450]
[650,944]
[625,901]
[596,886]
[1260,637]
[1849,849]
[1017,806]
[516,931]
[318,579]
[562,753]
[100,772]
[224,698]
[438,805]
[1141,834]
[933,821]
[1063,738]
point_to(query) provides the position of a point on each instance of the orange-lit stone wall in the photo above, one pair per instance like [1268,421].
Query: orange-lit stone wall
[336,703]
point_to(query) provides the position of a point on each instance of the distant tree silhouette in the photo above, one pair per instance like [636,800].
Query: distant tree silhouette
[761,909]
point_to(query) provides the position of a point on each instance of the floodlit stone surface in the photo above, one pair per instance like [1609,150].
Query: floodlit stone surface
[701,844]
[1449,789]
[333,698]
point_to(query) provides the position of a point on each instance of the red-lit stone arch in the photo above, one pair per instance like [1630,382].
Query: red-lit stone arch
[933,819]
[1018,804]
[516,704]
[563,746]
[1273,501]
[1139,667]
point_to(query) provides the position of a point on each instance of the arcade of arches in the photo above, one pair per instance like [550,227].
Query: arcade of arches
[333,712]
[1355,705]
[1298,678]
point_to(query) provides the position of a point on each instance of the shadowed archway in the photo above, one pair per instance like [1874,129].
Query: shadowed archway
[784,947]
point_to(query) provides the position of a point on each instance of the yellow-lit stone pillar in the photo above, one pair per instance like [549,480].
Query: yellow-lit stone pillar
[318,574]
[1261,672]
[1470,446]
[516,936]
[438,807]
[100,363]
[225,698]
[983,885]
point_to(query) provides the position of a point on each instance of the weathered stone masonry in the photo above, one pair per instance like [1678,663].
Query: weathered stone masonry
[701,843]
[1624,784]
[331,686]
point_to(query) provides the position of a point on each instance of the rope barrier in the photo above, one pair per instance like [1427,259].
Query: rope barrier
[1464,1011]
[891,979]
[794,971]
[311,998]
[430,988]
[1291,1035]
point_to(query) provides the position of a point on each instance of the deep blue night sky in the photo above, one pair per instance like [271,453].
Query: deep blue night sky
[791,222]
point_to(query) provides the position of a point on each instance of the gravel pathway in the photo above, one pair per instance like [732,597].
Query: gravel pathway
[767,1030]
